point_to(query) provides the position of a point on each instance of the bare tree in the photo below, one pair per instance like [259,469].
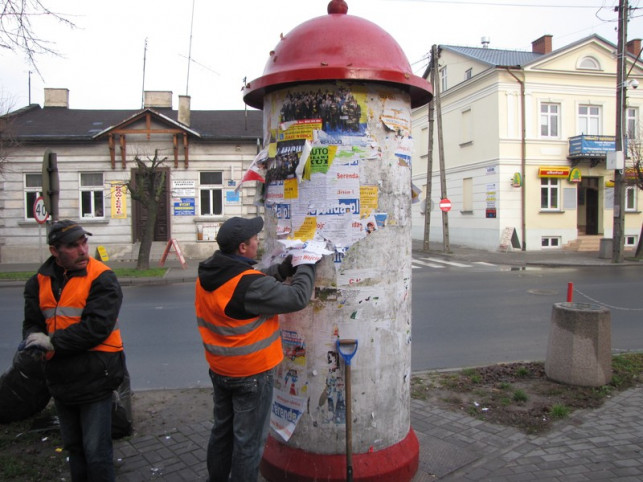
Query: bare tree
[146,187]
[8,139]
[17,32]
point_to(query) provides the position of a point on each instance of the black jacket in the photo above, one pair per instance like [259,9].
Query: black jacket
[76,375]
[258,294]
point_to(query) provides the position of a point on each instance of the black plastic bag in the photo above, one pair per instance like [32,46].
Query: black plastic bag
[122,425]
[23,389]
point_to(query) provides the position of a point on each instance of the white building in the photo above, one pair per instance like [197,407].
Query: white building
[515,166]
[207,153]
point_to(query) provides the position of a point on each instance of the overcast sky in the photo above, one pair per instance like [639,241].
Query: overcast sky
[101,61]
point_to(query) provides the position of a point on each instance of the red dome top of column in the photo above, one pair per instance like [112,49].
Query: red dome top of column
[337,47]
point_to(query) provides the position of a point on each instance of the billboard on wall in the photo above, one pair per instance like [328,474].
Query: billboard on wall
[591,146]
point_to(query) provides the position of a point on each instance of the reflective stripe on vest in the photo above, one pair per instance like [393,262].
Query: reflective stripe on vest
[69,309]
[235,348]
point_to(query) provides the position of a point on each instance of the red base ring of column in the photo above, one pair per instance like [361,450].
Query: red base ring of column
[397,463]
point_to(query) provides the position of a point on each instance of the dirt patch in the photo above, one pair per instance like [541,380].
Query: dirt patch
[516,394]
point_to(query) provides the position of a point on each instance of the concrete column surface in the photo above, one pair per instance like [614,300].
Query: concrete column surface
[579,351]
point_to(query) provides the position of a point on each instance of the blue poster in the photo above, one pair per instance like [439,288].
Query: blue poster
[185,206]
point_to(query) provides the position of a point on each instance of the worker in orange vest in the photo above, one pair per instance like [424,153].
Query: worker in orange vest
[71,314]
[236,308]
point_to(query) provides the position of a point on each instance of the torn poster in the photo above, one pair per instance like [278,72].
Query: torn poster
[286,411]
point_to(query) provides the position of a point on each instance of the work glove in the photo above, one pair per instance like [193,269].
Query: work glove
[39,340]
[286,269]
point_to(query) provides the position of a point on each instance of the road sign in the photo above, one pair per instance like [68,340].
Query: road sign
[445,205]
[39,211]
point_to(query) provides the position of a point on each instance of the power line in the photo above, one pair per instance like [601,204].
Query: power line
[499,4]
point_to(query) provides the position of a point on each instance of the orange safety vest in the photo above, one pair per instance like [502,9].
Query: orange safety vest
[236,348]
[69,309]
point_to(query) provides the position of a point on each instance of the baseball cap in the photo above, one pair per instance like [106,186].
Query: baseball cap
[236,230]
[65,232]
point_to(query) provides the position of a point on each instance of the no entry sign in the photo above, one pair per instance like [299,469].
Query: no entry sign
[445,205]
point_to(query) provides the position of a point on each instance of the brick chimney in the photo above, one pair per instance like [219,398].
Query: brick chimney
[542,45]
[57,98]
[634,47]
[161,99]
[184,110]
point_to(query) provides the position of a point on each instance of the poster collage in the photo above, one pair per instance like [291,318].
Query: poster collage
[321,190]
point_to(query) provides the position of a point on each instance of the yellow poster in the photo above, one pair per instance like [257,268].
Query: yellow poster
[119,200]
[307,229]
[367,199]
[291,188]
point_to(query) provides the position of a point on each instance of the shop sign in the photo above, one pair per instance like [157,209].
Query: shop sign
[575,176]
[559,172]
[516,180]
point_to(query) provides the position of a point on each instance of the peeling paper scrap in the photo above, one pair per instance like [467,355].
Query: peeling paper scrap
[286,412]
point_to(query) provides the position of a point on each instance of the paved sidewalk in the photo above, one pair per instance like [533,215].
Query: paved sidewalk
[604,444]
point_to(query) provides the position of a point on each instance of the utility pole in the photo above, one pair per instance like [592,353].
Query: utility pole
[443,180]
[618,237]
[429,161]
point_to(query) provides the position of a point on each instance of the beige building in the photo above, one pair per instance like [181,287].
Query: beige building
[526,137]
[206,154]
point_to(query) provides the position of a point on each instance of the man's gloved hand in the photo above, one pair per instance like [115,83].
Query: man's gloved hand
[286,268]
[39,340]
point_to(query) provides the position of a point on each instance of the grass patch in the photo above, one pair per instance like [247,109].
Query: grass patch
[120,273]
[560,411]
[520,396]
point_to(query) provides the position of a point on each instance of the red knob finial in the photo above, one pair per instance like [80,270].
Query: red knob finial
[337,6]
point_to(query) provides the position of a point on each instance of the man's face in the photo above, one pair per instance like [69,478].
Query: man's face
[250,247]
[72,256]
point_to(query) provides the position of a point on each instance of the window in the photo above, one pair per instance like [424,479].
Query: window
[33,189]
[589,63]
[630,198]
[467,194]
[631,123]
[443,79]
[630,241]
[468,74]
[549,120]
[589,117]
[549,194]
[550,241]
[92,196]
[211,193]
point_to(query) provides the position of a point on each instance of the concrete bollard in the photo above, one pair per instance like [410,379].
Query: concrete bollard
[579,350]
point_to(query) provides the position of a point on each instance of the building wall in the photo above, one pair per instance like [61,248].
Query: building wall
[24,240]
[494,154]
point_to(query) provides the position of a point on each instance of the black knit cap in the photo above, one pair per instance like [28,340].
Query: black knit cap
[235,231]
[65,232]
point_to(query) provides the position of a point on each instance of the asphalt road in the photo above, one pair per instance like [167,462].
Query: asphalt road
[461,317]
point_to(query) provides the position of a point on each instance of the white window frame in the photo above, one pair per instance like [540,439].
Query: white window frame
[32,190]
[551,187]
[550,242]
[631,122]
[212,191]
[630,199]
[589,122]
[443,79]
[588,63]
[549,120]
[91,196]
